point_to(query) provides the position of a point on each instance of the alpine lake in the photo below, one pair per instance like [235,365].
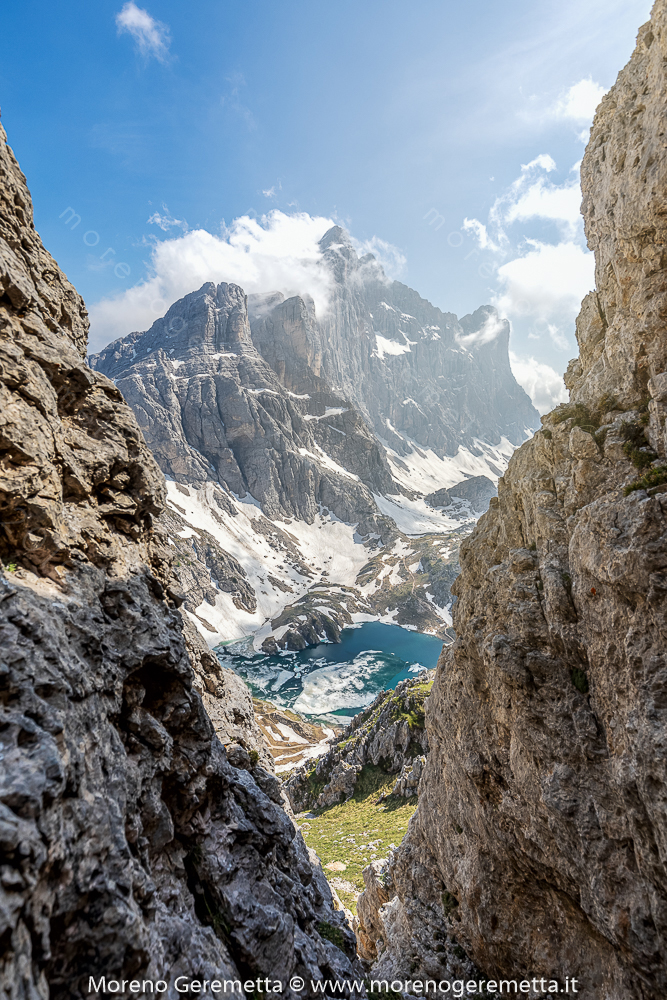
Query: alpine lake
[334,681]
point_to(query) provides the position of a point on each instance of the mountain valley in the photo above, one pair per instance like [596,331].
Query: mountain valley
[323,659]
[303,496]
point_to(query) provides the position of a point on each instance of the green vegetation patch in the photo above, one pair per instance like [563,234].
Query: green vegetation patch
[636,446]
[654,477]
[580,415]
[580,680]
[608,403]
[359,830]
[410,705]
[331,933]
[316,784]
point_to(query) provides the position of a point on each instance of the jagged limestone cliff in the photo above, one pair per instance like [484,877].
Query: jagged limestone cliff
[130,847]
[539,844]
[279,424]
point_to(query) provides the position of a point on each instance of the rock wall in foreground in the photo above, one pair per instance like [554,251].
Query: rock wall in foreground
[540,841]
[129,845]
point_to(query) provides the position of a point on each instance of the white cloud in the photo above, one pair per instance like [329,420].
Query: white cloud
[542,382]
[547,280]
[278,252]
[530,196]
[151,37]
[273,190]
[542,200]
[489,330]
[579,102]
[166,221]
[533,196]
[543,285]
[543,161]
[389,256]
[575,106]
[480,231]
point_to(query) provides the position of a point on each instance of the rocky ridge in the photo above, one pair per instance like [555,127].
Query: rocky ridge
[539,840]
[260,408]
[389,733]
[131,844]
[421,378]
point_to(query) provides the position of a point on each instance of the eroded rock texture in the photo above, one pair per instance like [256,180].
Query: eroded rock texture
[543,810]
[389,733]
[129,844]
[213,409]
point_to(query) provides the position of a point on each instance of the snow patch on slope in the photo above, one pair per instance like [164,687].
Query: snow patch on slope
[385,346]
[427,472]
[415,517]
[327,544]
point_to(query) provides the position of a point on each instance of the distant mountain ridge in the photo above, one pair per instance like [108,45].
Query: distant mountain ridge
[258,406]
[402,361]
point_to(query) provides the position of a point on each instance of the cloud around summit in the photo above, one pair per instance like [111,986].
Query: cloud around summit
[277,252]
[539,280]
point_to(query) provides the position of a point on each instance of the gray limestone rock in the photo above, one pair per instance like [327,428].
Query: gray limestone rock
[211,408]
[390,733]
[130,847]
[407,783]
[477,490]
[543,806]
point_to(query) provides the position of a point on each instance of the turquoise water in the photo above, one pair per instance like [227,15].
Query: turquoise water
[337,680]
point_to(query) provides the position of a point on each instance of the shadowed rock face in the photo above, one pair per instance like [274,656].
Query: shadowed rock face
[130,846]
[543,810]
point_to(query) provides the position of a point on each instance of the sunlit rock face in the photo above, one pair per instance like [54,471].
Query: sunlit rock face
[539,841]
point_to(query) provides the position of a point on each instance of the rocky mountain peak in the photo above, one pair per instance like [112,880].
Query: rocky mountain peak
[210,321]
[484,327]
[336,237]
[339,254]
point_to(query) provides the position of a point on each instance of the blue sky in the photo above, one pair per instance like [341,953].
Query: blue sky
[174,130]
